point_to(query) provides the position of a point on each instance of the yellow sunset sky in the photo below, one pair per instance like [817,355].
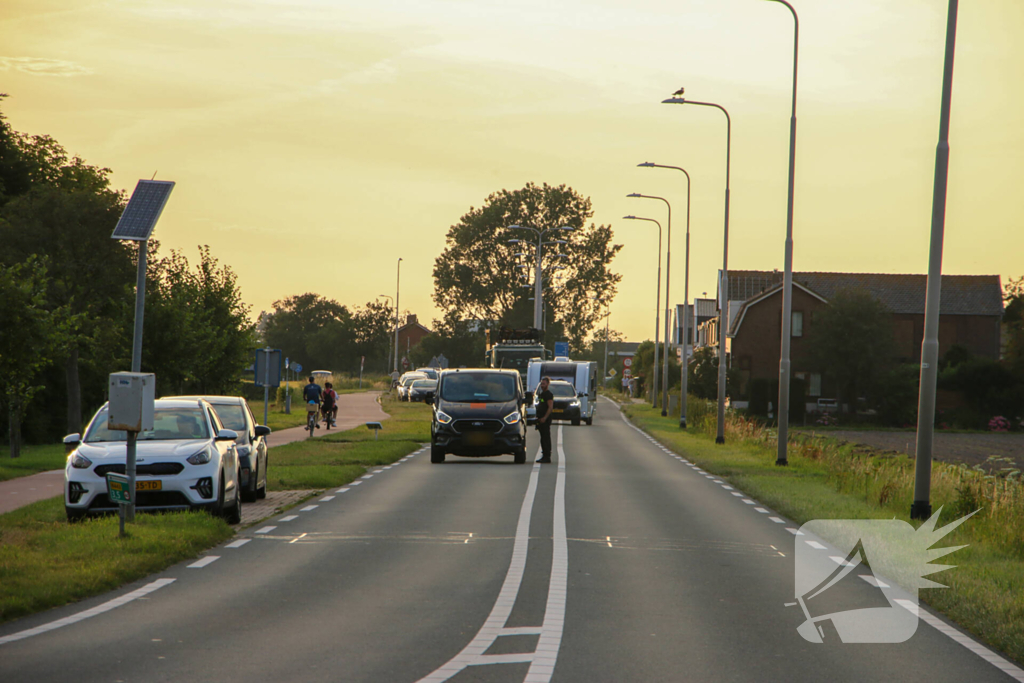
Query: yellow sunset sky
[313,142]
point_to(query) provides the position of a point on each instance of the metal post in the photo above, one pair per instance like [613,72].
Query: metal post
[723,316]
[538,287]
[684,369]
[668,268]
[398,285]
[921,507]
[604,377]
[266,382]
[140,310]
[657,307]
[787,278]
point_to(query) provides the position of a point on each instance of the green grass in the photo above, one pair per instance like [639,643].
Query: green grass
[830,479]
[46,562]
[33,459]
[340,458]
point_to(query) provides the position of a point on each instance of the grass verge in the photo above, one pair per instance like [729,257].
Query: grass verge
[830,479]
[33,459]
[340,458]
[46,562]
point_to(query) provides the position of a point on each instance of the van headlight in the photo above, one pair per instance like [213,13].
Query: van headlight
[200,458]
[574,404]
[513,418]
[443,418]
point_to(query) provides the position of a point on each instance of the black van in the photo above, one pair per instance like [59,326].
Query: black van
[478,413]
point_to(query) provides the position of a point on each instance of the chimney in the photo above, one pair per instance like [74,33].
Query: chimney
[411,319]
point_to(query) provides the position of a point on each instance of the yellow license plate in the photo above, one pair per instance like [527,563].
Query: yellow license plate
[155,485]
[479,439]
[558,410]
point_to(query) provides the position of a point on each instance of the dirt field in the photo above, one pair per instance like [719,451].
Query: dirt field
[967,448]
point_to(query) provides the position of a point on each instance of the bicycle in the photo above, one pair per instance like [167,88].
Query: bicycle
[311,417]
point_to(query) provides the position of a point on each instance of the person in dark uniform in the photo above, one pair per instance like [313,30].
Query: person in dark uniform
[545,404]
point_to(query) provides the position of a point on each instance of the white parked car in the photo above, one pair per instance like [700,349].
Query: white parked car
[188,461]
[405,381]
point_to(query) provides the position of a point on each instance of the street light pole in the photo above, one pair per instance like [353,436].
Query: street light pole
[787,278]
[538,274]
[398,284]
[668,270]
[723,317]
[657,307]
[387,364]
[686,299]
[921,508]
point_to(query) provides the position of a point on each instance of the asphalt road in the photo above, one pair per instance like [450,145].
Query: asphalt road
[619,562]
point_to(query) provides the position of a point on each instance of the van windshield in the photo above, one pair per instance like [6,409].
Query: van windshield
[468,387]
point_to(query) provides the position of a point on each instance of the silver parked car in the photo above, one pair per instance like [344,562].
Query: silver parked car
[251,445]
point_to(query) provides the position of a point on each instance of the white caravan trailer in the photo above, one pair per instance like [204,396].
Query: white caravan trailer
[581,374]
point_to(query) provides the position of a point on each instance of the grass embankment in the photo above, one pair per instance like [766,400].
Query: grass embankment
[46,562]
[33,459]
[340,458]
[829,479]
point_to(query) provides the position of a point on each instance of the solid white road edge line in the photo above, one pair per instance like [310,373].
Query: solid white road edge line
[99,609]
[495,622]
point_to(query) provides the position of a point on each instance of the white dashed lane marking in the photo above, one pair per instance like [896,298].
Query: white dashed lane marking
[309,508]
[265,530]
[777,520]
[815,545]
[342,490]
[209,559]
[287,519]
[326,499]
[239,543]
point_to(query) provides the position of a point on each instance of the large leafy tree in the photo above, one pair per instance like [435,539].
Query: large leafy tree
[478,275]
[311,329]
[373,328]
[1013,316]
[459,341]
[30,333]
[197,332]
[58,206]
[851,340]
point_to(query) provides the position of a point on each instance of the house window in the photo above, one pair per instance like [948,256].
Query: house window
[797,327]
[815,385]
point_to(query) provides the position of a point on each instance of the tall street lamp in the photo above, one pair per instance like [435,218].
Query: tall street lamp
[387,364]
[787,278]
[657,308]
[686,297]
[668,268]
[538,277]
[398,283]
[921,508]
[723,317]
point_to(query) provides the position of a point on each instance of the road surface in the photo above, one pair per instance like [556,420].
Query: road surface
[619,562]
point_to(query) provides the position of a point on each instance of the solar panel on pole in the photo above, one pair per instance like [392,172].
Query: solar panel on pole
[143,210]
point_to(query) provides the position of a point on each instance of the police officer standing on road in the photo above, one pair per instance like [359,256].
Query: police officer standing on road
[545,404]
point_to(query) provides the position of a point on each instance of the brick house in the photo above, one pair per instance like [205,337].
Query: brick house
[970,314]
[410,334]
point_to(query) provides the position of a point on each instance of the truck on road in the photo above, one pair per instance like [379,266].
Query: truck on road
[512,349]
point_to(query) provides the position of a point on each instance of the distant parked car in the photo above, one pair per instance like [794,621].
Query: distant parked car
[431,373]
[405,381]
[251,445]
[421,388]
[188,461]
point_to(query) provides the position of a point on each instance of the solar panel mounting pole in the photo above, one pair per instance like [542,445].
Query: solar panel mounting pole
[136,224]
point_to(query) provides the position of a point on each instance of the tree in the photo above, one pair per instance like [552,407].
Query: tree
[702,377]
[311,329]
[476,277]
[373,328]
[197,332]
[1013,317]
[29,335]
[60,207]
[851,340]
[459,341]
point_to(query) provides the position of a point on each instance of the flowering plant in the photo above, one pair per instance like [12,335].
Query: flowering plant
[999,424]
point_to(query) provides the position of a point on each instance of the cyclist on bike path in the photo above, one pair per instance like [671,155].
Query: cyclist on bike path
[330,404]
[311,393]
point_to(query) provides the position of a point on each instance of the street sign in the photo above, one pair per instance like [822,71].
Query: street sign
[627,362]
[297,367]
[405,363]
[561,349]
[268,367]
[117,489]
[627,373]
[612,373]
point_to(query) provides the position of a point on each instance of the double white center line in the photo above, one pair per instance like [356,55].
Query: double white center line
[542,660]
